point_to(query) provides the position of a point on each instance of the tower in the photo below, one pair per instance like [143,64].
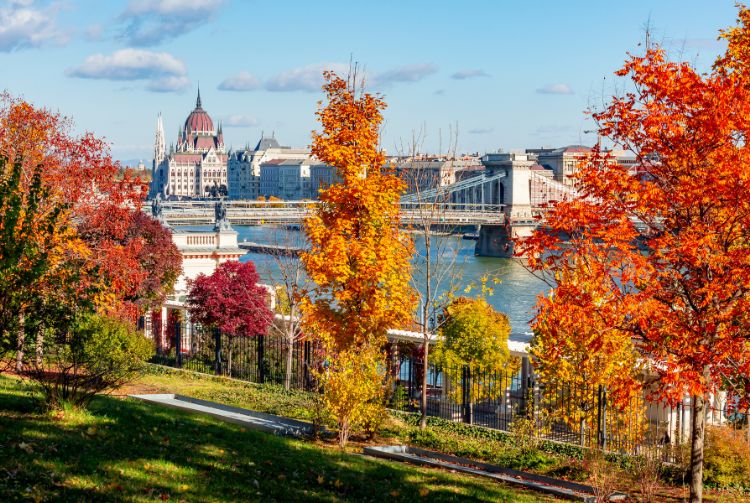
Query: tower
[160,143]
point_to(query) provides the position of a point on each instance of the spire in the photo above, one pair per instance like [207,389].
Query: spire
[160,144]
[198,101]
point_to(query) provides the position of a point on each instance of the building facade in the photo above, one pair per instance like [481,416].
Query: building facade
[196,165]
[563,162]
[272,170]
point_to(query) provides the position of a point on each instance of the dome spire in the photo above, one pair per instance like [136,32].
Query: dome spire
[198,101]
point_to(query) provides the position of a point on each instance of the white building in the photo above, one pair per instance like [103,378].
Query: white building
[272,170]
[244,166]
[196,164]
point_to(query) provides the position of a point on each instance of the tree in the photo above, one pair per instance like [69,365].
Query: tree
[291,281]
[78,174]
[673,239]
[33,242]
[579,348]
[435,276]
[158,258]
[358,259]
[474,335]
[230,300]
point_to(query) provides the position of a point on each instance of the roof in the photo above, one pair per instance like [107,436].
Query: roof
[570,149]
[290,162]
[265,143]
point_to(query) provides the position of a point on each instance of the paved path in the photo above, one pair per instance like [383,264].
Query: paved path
[268,423]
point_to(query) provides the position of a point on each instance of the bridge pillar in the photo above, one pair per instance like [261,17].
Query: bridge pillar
[498,240]
[515,195]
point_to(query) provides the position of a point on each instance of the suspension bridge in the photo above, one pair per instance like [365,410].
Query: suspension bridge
[504,201]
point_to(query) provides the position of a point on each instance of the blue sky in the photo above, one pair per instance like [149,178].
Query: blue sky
[508,74]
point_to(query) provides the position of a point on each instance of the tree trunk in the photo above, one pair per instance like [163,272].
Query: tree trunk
[39,348]
[698,435]
[289,360]
[426,328]
[20,344]
[423,419]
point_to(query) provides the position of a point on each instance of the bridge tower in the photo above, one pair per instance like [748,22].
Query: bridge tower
[514,192]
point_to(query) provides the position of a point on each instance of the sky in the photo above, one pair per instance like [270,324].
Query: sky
[483,75]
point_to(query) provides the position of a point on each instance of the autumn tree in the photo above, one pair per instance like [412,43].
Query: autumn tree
[100,202]
[33,241]
[475,337]
[435,275]
[159,259]
[230,300]
[358,259]
[579,348]
[672,239]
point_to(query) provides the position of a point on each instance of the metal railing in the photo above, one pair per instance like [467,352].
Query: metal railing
[557,410]
[294,212]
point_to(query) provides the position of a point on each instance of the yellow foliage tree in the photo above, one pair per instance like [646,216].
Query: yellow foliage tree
[358,259]
[475,335]
[354,390]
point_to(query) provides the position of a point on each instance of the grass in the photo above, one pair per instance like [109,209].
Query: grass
[274,399]
[557,460]
[124,450]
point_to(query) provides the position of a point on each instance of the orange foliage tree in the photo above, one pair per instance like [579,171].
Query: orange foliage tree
[101,252]
[671,241]
[358,258]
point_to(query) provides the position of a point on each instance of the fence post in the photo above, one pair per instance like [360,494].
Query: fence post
[536,401]
[602,417]
[178,344]
[261,366]
[466,394]
[306,365]
[525,381]
[217,358]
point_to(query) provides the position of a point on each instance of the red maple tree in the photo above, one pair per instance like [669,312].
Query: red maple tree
[231,301]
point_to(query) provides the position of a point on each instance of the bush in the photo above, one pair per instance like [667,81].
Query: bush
[354,386]
[726,458]
[98,354]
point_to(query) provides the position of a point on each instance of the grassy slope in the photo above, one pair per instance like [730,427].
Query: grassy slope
[126,450]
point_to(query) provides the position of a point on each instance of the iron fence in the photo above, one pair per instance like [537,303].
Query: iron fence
[556,410]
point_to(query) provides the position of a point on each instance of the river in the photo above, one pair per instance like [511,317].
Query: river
[515,295]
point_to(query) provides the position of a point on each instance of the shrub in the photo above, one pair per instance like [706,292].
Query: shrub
[354,391]
[603,475]
[646,471]
[98,354]
[727,458]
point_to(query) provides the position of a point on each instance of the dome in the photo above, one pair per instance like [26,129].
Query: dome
[198,120]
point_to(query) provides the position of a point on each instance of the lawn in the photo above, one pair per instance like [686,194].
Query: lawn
[125,450]
[557,460]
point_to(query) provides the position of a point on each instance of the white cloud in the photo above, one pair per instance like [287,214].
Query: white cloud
[469,74]
[555,89]
[239,121]
[171,84]
[23,26]
[307,78]
[164,72]
[409,73]
[243,81]
[149,22]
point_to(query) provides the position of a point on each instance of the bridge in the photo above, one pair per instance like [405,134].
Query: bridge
[294,212]
[505,200]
